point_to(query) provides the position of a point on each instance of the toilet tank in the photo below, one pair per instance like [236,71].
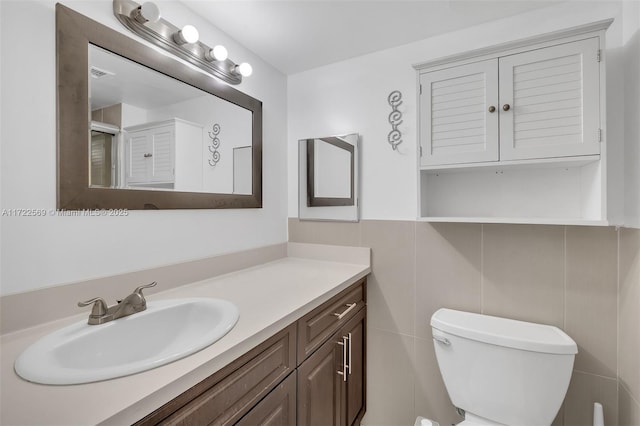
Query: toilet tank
[506,371]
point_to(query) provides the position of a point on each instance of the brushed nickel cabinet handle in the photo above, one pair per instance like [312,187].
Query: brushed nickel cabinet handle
[492,109]
[343,373]
[148,155]
[350,307]
[506,107]
[349,365]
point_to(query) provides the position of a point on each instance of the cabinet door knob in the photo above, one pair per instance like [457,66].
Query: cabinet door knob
[506,107]
[492,109]
[148,155]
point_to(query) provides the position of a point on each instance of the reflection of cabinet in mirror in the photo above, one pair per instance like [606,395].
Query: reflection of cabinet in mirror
[163,155]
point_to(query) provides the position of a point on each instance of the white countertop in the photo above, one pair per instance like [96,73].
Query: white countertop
[269,296]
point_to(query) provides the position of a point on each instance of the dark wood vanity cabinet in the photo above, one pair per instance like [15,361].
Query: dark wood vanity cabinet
[226,396]
[311,373]
[276,409]
[331,382]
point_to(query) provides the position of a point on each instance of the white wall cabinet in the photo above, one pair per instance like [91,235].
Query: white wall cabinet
[552,96]
[165,154]
[515,133]
[542,103]
[456,125]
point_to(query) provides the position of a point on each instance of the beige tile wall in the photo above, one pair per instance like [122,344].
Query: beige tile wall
[565,276]
[629,327]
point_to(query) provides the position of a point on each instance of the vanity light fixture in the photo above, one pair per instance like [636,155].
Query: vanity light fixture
[218,53]
[148,12]
[145,21]
[188,34]
[244,69]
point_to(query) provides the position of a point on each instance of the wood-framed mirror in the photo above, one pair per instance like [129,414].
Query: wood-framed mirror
[328,178]
[102,161]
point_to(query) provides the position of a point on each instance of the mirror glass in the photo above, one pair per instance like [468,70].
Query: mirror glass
[151,131]
[140,129]
[332,171]
[328,178]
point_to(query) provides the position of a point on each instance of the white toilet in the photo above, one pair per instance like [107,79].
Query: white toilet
[502,371]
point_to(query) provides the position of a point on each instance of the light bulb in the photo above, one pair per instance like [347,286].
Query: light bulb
[218,53]
[148,12]
[188,34]
[244,69]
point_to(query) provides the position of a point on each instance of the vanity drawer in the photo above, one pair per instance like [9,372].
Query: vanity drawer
[276,409]
[226,396]
[319,324]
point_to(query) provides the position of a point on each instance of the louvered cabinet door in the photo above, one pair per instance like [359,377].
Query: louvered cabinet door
[163,159]
[455,121]
[137,164]
[553,102]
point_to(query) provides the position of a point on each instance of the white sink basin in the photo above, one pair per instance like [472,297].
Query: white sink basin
[165,332]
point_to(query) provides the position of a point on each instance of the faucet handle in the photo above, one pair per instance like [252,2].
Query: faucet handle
[99,306]
[142,287]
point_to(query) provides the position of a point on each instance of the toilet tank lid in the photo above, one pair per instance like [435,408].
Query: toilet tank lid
[504,332]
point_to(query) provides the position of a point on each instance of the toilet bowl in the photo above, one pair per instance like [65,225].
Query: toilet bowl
[502,371]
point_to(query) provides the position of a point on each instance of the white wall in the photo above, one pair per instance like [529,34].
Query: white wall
[631,34]
[44,251]
[351,96]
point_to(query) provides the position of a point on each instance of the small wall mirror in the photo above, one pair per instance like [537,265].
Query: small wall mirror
[138,129]
[328,178]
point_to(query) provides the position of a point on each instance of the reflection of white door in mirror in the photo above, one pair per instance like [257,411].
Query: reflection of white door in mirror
[328,178]
[242,176]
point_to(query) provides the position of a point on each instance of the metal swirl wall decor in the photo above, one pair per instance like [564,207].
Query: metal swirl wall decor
[395,119]
[215,144]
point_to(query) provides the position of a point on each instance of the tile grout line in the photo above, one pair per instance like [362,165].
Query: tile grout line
[482,268]
[628,391]
[415,310]
[618,382]
[564,279]
[564,300]
[595,375]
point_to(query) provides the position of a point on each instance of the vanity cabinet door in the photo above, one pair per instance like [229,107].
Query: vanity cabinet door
[549,102]
[458,114]
[331,382]
[320,387]
[355,395]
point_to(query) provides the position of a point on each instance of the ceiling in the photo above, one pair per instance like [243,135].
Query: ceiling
[128,82]
[297,35]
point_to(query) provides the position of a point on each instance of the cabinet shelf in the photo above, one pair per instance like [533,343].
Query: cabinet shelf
[541,163]
[516,220]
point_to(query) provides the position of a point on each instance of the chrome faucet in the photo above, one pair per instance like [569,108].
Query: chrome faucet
[100,313]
